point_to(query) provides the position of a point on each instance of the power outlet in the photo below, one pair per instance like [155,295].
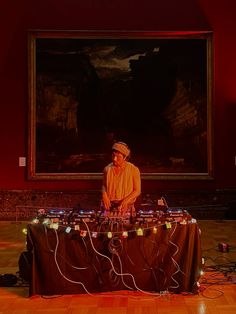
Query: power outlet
[22,161]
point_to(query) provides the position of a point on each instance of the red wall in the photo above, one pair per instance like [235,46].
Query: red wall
[19,16]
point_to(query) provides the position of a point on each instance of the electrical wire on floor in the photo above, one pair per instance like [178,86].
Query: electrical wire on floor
[223,274]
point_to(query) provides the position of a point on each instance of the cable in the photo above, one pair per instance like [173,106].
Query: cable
[62,257]
[116,248]
[148,264]
[66,278]
[174,261]
[118,274]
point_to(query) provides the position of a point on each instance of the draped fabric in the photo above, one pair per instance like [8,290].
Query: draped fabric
[168,259]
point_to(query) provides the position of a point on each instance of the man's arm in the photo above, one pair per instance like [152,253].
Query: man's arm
[105,198]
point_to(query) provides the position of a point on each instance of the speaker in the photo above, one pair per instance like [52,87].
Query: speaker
[25,265]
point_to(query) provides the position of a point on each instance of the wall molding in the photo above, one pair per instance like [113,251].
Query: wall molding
[20,205]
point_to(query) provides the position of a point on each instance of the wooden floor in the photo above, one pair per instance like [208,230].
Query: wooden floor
[217,292]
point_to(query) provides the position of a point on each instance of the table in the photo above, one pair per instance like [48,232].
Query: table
[101,257]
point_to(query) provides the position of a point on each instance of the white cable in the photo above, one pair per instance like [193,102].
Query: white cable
[115,252]
[66,278]
[75,267]
[124,274]
[174,261]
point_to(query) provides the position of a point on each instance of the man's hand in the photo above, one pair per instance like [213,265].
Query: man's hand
[123,207]
[106,201]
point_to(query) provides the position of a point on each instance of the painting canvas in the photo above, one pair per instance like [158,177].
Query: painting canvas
[151,90]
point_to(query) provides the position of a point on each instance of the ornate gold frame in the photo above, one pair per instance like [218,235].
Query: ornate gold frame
[44,71]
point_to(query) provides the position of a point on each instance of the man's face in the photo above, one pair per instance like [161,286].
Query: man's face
[117,159]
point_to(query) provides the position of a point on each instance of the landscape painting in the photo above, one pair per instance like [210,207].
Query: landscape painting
[152,90]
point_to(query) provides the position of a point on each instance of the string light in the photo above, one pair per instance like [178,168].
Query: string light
[46,221]
[54,226]
[94,234]
[168,225]
[109,234]
[83,233]
[24,230]
[68,229]
[154,230]
[125,234]
[140,232]
[35,221]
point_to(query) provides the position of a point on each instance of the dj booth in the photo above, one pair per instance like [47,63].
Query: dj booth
[148,255]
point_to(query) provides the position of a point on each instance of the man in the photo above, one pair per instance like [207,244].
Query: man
[121,181]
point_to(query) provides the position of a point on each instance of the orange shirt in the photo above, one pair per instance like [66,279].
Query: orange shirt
[118,186]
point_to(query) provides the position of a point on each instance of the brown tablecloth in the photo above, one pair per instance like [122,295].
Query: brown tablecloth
[167,259]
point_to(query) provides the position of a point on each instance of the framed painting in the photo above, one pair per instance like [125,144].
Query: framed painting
[152,90]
